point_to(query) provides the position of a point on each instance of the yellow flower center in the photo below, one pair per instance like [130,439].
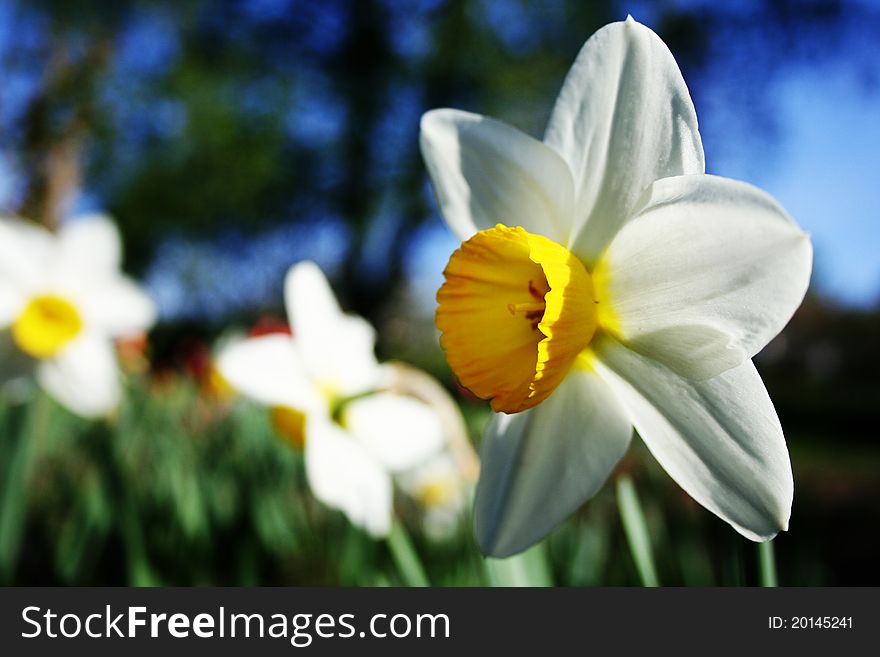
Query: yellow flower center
[436,492]
[46,325]
[515,311]
[290,424]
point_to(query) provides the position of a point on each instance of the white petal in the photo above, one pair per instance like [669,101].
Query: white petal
[25,250]
[118,306]
[486,172]
[623,119]
[269,370]
[337,349]
[88,247]
[442,492]
[84,377]
[12,299]
[441,469]
[539,466]
[401,432]
[719,439]
[343,475]
[706,274]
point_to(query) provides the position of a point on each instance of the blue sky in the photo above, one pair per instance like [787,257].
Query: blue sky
[827,175]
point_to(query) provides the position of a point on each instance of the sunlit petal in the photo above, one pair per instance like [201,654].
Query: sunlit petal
[343,475]
[706,274]
[25,251]
[84,377]
[88,247]
[269,370]
[399,431]
[118,306]
[623,119]
[486,172]
[12,300]
[337,349]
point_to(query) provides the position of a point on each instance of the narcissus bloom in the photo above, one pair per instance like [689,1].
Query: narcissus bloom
[324,387]
[605,282]
[441,489]
[62,302]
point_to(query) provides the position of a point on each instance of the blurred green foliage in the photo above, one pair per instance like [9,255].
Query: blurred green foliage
[176,489]
[181,488]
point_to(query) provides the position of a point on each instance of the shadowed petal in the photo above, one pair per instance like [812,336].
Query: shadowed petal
[539,466]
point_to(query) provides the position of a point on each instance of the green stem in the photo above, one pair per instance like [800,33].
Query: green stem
[527,568]
[15,493]
[767,564]
[636,530]
[405,557]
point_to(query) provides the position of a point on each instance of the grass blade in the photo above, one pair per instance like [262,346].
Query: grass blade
[636,529]
[405,557]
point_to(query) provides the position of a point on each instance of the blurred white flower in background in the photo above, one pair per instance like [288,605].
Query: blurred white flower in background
[606,282]
[328,394]
[443,485]
[441,490]
[63,300]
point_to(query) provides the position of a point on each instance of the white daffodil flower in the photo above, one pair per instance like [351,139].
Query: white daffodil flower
[323,386]
[441,490]
[605,282]
[63,300]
